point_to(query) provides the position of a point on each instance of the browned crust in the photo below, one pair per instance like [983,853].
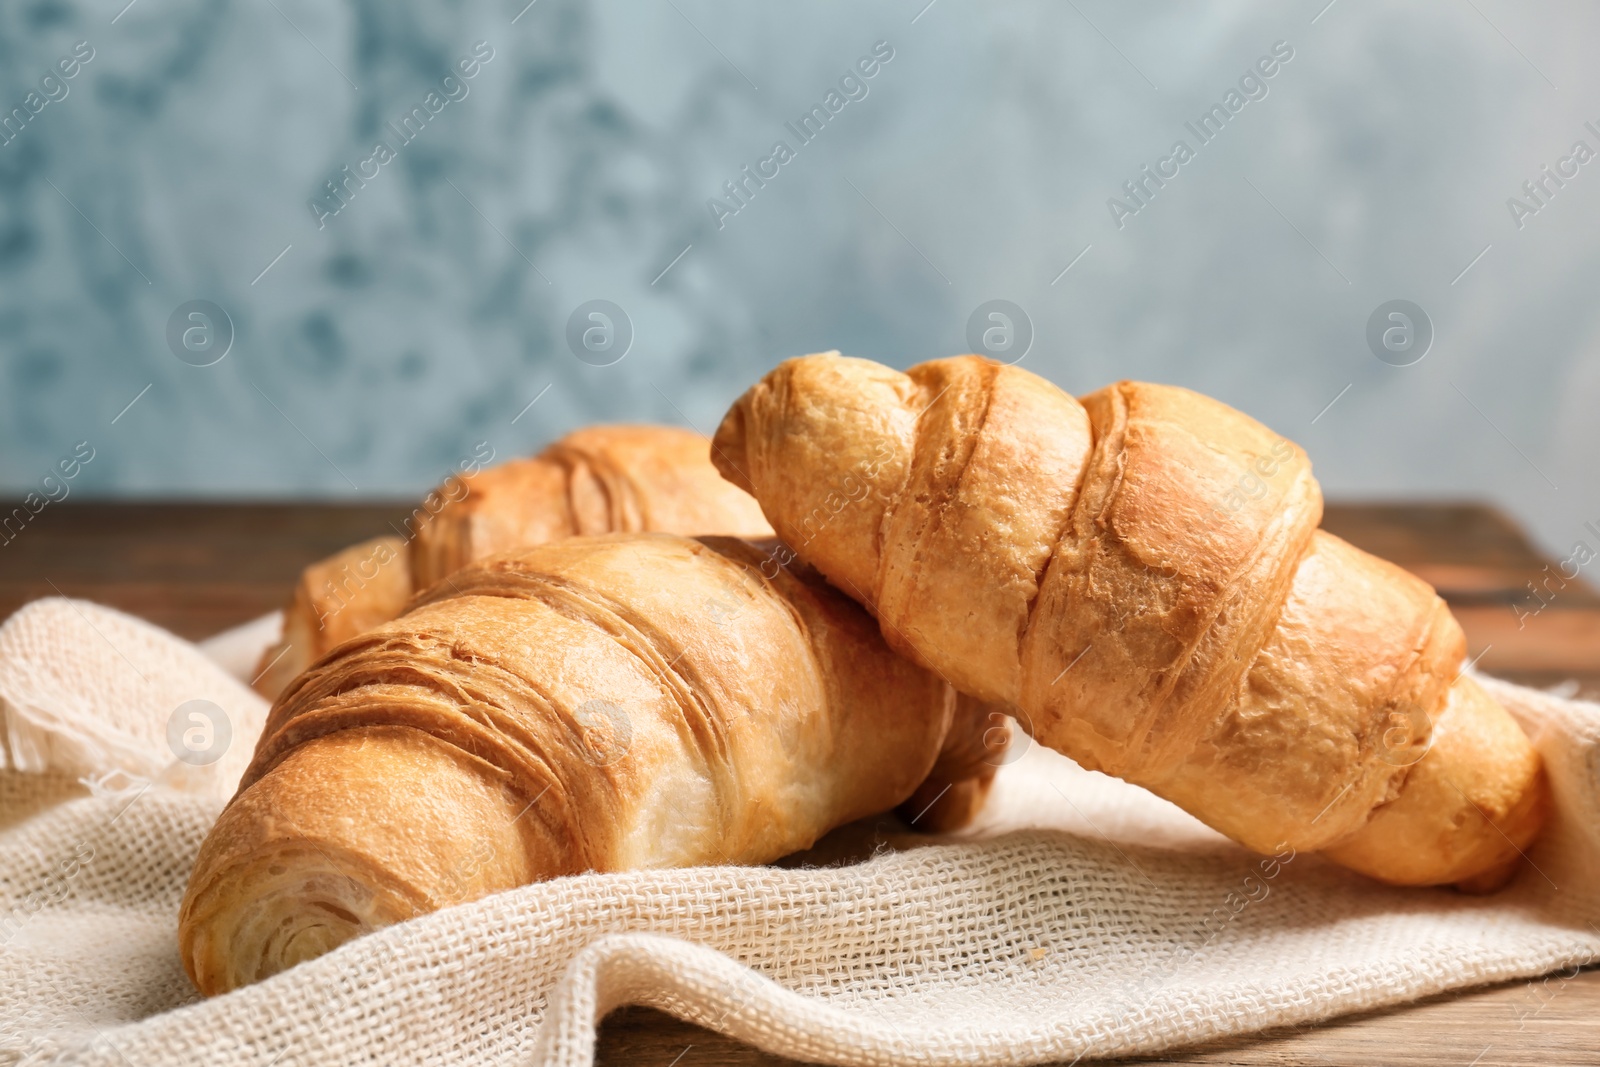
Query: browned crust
[1192,630]
[596,703]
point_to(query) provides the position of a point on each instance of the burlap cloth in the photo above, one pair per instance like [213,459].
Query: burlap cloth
[1086,918]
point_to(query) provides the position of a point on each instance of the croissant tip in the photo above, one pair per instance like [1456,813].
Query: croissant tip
[728,452]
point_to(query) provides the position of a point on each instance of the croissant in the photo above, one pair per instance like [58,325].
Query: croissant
[598,480]
[602,479]
[592,704]
[1140,578]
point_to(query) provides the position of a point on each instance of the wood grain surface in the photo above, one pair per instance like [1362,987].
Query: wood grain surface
[199,568]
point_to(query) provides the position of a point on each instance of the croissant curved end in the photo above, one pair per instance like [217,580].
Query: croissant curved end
[1467,810]
[352,832]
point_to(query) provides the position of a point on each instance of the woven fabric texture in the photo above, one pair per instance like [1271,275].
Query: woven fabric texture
[1083,917]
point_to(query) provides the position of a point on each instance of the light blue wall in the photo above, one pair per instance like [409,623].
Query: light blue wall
[424,316]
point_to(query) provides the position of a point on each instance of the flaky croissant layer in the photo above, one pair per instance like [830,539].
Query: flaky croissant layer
[1140,577]
[594,704]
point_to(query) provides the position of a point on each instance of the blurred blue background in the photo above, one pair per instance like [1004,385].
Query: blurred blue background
[373,348]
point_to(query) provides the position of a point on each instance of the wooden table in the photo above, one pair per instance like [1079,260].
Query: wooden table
[196,569]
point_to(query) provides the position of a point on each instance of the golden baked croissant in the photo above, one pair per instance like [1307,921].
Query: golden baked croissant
[598,480]
[602,479]
[595,703]
[1141,578]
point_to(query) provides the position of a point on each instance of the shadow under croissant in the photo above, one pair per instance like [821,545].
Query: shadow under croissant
[978,745]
